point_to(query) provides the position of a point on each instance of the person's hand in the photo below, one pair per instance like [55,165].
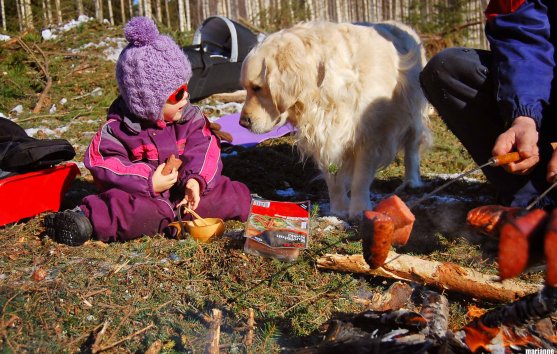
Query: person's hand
[552,168]
[191,197]
[162,183]
[522,136]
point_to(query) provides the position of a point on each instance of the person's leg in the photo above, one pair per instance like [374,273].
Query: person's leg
[119,216]
[228,200]
[457,83]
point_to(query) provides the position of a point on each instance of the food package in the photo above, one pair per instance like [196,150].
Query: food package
[277,229]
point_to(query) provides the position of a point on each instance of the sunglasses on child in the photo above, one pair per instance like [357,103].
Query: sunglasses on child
[178,95]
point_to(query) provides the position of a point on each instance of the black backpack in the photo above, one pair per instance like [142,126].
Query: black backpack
[20,153]
[218,49]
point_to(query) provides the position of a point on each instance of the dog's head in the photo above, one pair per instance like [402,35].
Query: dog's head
[277,75]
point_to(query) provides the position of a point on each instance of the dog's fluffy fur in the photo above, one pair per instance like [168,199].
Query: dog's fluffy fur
[354,95]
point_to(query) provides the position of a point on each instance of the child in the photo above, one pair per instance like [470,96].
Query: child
[151,120]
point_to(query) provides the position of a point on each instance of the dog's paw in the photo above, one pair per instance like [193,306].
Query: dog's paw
[409,184]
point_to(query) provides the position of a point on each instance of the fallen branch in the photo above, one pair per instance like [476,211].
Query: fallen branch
[447,276]
[110,346]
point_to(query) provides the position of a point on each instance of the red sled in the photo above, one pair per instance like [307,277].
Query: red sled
[29,194]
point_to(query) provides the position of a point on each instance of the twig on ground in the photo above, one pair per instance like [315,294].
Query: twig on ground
[110,346]
[98,336]
[214,333]
[248,341]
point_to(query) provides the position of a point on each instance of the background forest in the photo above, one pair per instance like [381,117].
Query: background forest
[440,22]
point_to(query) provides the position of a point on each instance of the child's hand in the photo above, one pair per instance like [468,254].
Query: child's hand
[191,198]
[161,182]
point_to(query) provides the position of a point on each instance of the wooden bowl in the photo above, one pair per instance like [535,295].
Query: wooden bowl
[203,233]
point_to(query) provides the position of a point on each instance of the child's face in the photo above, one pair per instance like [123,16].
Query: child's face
[172,109]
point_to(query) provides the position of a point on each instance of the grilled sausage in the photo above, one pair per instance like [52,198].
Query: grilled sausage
[487,218]
[401,216]
[514,241]
[550,249]
[376,230]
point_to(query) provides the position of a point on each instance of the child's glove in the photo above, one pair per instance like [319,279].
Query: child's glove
[215,128]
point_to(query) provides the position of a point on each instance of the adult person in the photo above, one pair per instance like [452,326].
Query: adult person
[503,100]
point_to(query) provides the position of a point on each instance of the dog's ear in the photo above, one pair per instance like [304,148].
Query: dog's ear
[287,75]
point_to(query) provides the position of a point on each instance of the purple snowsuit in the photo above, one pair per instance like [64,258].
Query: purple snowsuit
[122,158]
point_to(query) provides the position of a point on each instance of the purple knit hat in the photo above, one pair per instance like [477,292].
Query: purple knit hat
[149,69]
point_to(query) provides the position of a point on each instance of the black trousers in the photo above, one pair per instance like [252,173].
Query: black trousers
[457,82]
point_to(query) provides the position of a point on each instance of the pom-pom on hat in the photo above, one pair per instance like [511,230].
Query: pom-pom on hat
[149,69]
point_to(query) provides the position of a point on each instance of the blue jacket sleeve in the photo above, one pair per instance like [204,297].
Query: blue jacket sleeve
[523,58]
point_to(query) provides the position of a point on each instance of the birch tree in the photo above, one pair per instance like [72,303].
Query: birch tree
[158,10]
[122,11]
[3,15]
[181,22]
[19,8]
[58,9]
[99,10]
[188,15]
[148,8]
[167,13]
[28,15]
[110,13]
[79,5]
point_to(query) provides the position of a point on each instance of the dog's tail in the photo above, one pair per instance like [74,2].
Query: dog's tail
[411,62]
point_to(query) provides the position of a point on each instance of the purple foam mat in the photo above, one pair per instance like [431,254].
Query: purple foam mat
[241,136]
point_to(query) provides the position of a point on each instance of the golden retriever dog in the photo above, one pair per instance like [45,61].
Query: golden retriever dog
[353,93]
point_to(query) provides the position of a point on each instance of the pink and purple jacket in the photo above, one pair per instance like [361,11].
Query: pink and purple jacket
[126,151]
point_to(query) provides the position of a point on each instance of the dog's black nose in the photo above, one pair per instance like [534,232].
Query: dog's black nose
[245,121]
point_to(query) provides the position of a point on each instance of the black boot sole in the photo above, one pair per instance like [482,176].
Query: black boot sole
[68,227]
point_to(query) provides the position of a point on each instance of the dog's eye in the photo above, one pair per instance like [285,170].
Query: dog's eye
[256,88]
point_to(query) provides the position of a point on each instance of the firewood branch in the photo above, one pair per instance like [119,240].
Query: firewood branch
[447,276]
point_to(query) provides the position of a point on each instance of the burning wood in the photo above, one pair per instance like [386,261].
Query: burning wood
[498,327]
[447,276]
[505,329]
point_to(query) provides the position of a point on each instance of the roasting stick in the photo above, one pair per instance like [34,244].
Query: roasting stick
[494,161]
[538,198]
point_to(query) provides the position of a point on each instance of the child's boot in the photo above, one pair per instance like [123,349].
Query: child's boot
[70,227]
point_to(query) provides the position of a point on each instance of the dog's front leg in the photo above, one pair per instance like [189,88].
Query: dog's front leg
[338,193]
[365,168]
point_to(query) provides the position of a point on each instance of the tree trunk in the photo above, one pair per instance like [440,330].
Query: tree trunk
[28,15]
[99,10]
[110,13]
[122,11]
[447,276]
[148,8]
[130,6]
[49,12]
[181,21]
[188,15]
[140,7]
[79,5]
[3,15]
[20,15]
[158,10]
[45,14]
[58,9]
[167,13]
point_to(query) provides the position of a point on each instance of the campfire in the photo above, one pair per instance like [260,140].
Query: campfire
[509,328]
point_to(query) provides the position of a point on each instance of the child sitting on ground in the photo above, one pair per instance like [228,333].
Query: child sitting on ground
[150,120]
